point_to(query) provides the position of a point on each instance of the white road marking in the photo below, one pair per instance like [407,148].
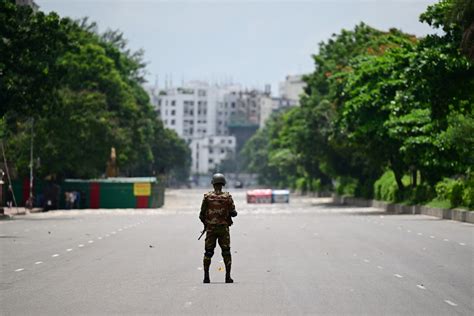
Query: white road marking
[18,270]
[113,233]
[462,244]
[421,286]
[199,268]
[366,260]
[408,231]
[81,245]
[107,235]
[398,275]
[445,239]
[90,241]
[120,229]
[38,262]
[188,304]
[55,255]
[420,234]
[69,249]
[451,303]
[379,267]
[355,255]
[432,237]
[99,238]
[399,228]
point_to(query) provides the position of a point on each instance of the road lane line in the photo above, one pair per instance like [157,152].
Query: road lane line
[408,231]
[445,239]
[366,260]
[120,229]
[38,262]
[55,255]
[420,234]
[398,275]
[421,286]
[81,245]
[462,244]
[432,237]
[379,267]
[451,303]
[90,241]
[19,270]
[113,233]
[69,249]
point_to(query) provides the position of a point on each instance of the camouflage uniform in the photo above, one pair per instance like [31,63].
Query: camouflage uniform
[216,212]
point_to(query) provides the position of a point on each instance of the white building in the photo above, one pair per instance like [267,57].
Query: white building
[199,114]
[292,88]
[190,111]
[208,152]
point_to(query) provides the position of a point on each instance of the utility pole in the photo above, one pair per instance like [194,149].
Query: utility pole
[30,199]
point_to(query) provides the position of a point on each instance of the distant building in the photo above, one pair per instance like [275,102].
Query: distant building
[209,152]
[29,3]
[190,111]
[216,121]
[292,88]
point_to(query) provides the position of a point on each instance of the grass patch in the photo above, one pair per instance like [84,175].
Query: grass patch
[440,204]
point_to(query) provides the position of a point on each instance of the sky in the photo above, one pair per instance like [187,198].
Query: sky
[252,43]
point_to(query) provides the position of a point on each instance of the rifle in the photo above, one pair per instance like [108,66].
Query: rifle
[202,233]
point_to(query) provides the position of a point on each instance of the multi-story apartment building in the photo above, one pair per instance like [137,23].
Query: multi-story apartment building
[198,114]
[292,88]
[190,111]
[208,152]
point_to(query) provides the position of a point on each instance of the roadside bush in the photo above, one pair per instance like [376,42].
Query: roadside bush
[385,188]
[422,193]
[346,186]
[451,190]
[301,184]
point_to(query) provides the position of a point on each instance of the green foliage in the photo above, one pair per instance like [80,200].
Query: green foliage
[82,92]
[385,188]
[380,101]
[451,190]
[346,186]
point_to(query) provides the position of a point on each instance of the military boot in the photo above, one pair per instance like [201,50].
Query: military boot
[207,264]
[228,279]
[206,276]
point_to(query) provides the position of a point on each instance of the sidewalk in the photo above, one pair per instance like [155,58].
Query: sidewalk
[9,212]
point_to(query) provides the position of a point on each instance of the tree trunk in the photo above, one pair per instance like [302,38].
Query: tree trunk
[467,43]
[414,174]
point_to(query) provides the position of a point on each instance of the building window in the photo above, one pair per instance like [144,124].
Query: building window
[230,141]
[173,102]
[211,151]
[211,160]
[222,151]
[172,122]
[233,105]
[173,112]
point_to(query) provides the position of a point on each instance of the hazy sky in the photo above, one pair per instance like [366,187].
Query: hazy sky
[250,42]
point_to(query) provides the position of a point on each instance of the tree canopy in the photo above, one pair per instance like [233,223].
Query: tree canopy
[82,92]
[378,101]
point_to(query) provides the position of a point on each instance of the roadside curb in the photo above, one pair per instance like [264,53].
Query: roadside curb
[394,208]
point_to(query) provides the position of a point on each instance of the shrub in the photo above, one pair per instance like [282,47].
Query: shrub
[385,188]
[451,190]
[346,186]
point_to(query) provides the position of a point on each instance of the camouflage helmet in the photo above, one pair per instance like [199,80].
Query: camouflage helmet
[218,178]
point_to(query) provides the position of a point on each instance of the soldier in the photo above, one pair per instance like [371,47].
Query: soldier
[216,211]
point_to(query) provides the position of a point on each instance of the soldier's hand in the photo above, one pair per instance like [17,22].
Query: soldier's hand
[233,213]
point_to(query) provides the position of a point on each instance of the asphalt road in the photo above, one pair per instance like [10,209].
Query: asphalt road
[304,258]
